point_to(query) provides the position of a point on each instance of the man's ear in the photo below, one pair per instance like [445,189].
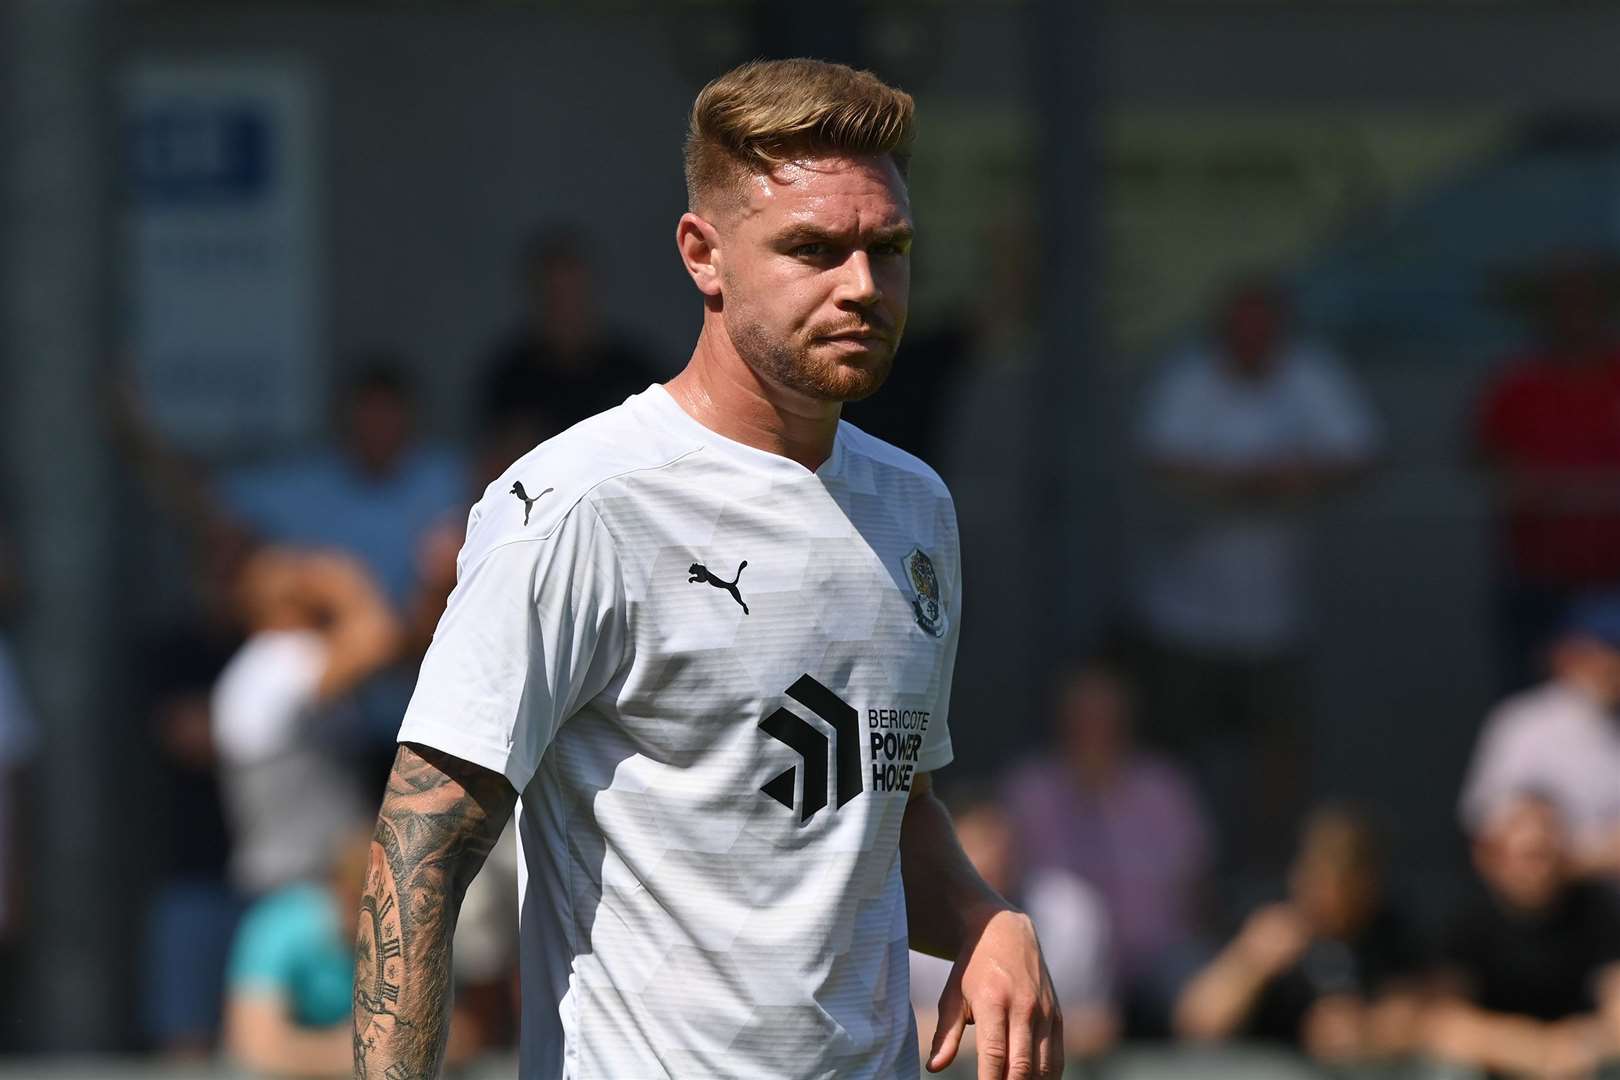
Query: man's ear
[699,244]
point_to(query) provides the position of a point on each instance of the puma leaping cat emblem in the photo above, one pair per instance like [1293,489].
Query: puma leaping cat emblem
[528,503]
[700,572]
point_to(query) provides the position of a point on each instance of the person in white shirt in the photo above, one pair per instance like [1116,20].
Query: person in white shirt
[1562,740]
[1242,432]
[708,636]
[317,628]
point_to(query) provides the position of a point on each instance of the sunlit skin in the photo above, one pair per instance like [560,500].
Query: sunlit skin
[805,284]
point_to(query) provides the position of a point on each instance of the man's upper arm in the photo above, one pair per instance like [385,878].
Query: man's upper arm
[534,628]
[460,797]
[440,818]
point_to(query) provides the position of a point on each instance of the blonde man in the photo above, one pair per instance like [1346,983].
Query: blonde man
[710,644]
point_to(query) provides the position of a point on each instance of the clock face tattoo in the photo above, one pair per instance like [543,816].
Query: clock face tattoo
[380,947]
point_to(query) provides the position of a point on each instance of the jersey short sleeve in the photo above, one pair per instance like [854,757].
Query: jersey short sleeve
[936,749]
[533,629]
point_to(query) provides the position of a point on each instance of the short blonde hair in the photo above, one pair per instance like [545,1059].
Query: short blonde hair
[766,112]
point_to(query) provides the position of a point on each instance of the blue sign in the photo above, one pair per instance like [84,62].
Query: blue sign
[190,152]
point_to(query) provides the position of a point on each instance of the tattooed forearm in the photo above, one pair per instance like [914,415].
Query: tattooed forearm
[439,820]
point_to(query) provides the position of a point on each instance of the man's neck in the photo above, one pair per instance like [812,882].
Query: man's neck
[722,392]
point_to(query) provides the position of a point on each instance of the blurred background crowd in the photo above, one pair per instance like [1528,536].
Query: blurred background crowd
[1271,349]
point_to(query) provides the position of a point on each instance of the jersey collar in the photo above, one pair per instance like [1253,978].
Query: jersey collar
[752,457]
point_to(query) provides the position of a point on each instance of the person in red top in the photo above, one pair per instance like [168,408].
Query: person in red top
[1549,431]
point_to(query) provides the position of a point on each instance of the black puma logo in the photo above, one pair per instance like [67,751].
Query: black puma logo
[528,503]
[700,572]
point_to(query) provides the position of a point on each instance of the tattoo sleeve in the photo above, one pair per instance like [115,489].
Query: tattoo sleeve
[439,819]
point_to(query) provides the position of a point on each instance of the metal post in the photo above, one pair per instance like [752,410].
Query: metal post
[53,248]
[1069,499]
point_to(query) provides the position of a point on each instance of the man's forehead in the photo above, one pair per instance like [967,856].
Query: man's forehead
[832,192]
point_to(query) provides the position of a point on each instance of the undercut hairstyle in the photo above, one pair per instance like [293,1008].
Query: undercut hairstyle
[766,113]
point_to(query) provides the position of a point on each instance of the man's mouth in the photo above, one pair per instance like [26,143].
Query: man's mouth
[866,337]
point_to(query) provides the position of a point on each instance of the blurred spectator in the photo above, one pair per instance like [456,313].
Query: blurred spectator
[1069,917]
[1562,739]
[560,364]
[291,979]
[373,496]
[1243,431]
[17,744]
[1531,976]
[1126,822]
[978,451]
[1547,432]
[290,984]
[1331,969]
[946,398]
[377,496]
[317,627]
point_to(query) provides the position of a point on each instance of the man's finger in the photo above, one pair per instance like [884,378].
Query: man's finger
[990,1026]
[1049,1047]
[948,1031]
[1022,1021]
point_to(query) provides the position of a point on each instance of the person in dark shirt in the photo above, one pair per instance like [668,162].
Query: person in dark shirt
[1545,431]
[1530,982]
[560,365]
[1332,969]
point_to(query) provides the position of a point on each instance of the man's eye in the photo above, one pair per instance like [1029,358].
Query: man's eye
[889,249]
[810,251]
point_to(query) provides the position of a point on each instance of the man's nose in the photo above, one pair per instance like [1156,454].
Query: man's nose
[859,285]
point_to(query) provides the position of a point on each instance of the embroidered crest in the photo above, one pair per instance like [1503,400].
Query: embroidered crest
[925,599]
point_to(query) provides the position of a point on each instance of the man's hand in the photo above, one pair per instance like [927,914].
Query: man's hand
[1000,985]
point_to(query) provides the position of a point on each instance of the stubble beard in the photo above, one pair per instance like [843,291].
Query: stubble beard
[797,366]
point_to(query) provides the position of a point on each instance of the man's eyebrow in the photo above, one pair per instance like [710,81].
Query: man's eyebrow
[805,233]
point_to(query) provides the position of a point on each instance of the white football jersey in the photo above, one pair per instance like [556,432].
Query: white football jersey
[712,675]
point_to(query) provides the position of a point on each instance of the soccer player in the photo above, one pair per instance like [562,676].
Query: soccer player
[708,637]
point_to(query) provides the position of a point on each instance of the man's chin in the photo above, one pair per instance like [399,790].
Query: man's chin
[856,380]
[850,377]
[851,382]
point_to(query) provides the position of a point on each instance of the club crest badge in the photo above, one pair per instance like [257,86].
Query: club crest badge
[925,599]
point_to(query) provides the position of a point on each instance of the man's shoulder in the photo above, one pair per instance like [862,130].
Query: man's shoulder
[1539,707]
[540,491]
[885,457]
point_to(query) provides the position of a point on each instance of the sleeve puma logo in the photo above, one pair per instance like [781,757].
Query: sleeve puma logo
[528,503]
